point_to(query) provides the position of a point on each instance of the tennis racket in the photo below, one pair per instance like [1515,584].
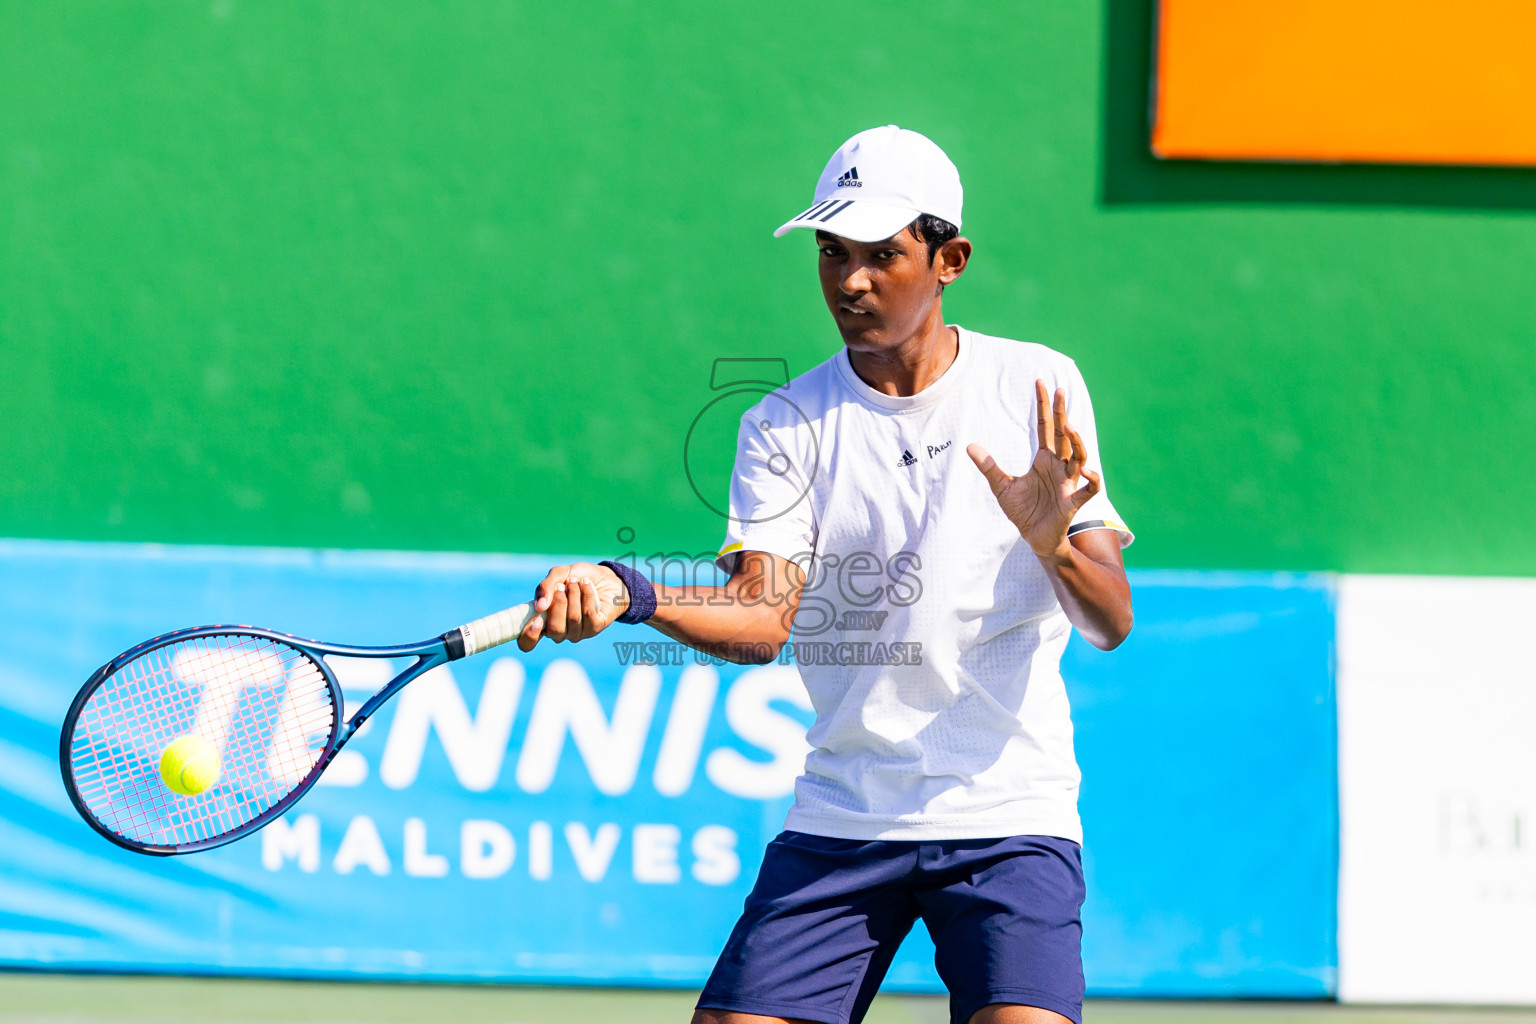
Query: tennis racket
[267,702]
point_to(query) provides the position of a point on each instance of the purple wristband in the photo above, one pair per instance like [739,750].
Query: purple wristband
[642,596]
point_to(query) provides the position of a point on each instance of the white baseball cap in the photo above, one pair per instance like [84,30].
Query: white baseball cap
[880,181]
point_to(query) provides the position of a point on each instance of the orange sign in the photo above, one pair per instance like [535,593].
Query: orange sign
[1377,81]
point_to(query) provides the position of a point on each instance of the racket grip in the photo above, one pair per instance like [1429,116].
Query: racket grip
[495,630]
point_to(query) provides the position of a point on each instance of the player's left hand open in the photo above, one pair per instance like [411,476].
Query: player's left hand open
[577,602]
[1042,502]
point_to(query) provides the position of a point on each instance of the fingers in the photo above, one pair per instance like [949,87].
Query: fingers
[996,478]
[582,610]
[1083,494]
[549,600]
[593,605]
[544,594]
[1045,428]
[543,598]
[1075,452]
[573,602]
[1063,428]
[555,617]
[601,598]
[529,637]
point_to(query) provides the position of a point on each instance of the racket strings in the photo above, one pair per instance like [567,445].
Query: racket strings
[265,706]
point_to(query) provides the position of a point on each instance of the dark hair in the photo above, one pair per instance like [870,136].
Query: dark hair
[933,230]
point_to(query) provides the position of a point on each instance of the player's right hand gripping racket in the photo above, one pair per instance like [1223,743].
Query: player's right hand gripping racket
[261,710]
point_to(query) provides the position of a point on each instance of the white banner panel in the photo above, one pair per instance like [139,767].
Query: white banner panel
[1437,786]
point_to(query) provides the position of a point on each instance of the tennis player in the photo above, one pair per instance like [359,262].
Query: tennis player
[942,783]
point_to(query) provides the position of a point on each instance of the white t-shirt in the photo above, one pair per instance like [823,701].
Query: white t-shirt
[928,635]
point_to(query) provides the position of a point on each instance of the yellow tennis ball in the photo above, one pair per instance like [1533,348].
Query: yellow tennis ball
[190,764]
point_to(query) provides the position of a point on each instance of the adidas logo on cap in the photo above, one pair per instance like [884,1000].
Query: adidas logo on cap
[850,179]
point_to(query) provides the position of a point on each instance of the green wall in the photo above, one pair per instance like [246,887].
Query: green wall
[452,276]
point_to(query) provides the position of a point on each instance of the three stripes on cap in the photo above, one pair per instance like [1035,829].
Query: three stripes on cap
[823,212]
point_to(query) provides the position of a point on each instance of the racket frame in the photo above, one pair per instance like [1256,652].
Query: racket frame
[429,654]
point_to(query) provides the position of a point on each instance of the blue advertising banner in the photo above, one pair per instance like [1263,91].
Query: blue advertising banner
[1208,748]
[595,813]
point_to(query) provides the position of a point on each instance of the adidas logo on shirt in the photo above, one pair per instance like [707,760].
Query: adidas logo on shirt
[907,459]
[850,179]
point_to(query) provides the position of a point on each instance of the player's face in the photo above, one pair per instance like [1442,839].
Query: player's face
[881,294]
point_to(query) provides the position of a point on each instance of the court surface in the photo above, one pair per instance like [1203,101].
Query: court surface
[29,998]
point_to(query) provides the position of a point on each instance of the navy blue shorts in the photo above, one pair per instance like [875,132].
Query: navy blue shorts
[827,915]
